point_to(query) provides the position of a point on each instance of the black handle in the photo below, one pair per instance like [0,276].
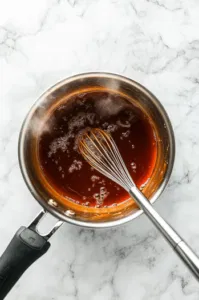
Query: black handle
[25,248]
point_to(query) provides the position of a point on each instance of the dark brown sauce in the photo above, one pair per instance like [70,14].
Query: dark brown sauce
[65,168]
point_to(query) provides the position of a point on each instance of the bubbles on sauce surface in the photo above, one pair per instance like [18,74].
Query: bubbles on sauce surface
[133,167]
[59,143]
[65,168]
[101,196]
[76,166]
[94,178]
[126,133]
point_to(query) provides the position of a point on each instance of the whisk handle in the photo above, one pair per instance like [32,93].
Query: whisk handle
[181,248]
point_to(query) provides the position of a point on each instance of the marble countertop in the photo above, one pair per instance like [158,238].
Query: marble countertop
[155,42]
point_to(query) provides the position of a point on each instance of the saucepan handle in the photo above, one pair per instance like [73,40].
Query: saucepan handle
[25,248]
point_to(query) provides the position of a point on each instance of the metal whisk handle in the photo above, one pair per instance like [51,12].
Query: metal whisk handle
[181,248]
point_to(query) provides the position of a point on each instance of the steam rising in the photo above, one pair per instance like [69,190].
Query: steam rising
[109,106]
[39,125]
[106,106]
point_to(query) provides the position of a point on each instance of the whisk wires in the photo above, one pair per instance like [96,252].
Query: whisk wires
[100,151]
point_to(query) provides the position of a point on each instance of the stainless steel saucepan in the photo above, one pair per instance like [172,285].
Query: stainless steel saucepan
[28,244]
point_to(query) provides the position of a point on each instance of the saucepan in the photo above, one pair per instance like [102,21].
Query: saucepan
[29,244]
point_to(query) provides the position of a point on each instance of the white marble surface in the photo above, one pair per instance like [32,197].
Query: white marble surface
[155,42]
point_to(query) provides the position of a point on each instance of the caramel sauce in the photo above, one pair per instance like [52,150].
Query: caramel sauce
[64,167]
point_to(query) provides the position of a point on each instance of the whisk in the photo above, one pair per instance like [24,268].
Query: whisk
[100,151]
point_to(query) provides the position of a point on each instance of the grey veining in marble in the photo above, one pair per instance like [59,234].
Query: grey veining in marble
[155,42]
